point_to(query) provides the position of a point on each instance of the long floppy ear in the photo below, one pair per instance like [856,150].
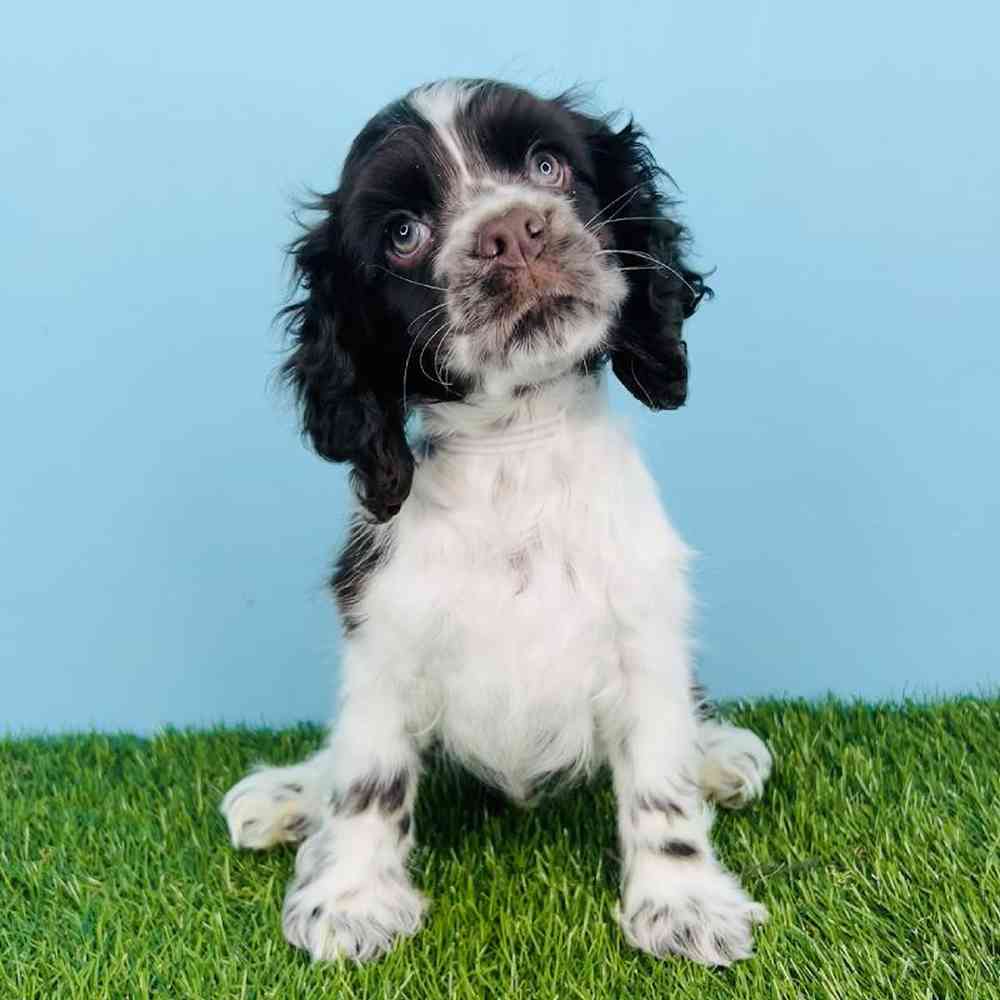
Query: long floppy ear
[648,352]
[351,409]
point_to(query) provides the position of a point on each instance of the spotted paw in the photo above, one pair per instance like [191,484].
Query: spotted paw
[340,913]
[735,765]
[270,806]
[704,916]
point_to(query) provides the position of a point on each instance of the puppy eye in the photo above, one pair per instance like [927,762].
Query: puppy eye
[546,168]
[406,236]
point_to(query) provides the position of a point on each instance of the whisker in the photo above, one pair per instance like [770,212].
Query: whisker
[426,344]
[611,204]
[654,261]
[649,398]
[438,372]
[427,323]
[444,329]
[616,214]
[433,309]
[629,218]
[630,193]
[446,360]
[409,281]
[406,369]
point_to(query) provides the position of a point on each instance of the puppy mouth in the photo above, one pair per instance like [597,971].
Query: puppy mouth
[544,312]
[545,291]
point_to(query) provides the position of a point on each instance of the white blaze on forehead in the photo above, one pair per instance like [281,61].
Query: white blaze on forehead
[439,103]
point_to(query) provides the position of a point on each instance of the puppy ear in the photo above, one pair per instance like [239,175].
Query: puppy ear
[647,349]
[351,409]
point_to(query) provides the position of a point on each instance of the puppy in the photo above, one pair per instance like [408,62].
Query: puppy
[511,589]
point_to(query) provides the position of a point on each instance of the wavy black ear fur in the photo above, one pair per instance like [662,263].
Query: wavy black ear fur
[648,352]
[349,410]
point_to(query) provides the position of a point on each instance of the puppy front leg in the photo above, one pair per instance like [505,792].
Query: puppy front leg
[676,896]
[352,895]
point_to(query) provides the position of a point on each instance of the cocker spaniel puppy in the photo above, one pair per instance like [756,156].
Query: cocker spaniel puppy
[511,589]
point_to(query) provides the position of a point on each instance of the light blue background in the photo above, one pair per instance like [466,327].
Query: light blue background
[165,536]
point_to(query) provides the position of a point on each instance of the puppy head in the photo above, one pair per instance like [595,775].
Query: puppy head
[481,239]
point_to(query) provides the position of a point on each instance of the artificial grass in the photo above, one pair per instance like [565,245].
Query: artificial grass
[876,849]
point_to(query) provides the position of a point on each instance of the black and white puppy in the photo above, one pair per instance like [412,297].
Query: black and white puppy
[511,589]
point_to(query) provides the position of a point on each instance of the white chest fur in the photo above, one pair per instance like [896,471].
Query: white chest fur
[518,562]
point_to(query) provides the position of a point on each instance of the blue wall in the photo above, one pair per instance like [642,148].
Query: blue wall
[165,535]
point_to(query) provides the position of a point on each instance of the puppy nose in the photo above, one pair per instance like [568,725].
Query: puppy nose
[514,238]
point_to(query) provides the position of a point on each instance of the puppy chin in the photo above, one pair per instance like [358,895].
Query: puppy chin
[547,341]
[543,311]
[547,319]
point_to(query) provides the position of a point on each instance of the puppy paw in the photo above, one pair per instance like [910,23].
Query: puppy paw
[270,806]
[346,914]
[705,916]
[735,765]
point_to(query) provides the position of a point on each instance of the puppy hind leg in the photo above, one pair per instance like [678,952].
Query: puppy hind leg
[735,763]
[278,805]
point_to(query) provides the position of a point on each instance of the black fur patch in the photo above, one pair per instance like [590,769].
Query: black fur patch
[684,939]
[388,794]
[367,547]
[357,799]
[703,705]
[352,328]
[503,123]
[298,826]
[723,947]
[659,803]
[678,849]
[394,794]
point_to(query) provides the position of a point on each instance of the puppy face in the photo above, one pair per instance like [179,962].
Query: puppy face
[481,239]
[529,291]
[469,204]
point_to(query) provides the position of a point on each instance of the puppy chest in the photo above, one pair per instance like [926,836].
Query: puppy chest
[527,596]
[526,644]
[518,553]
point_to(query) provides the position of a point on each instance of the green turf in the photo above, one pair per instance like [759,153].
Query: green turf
[876,848]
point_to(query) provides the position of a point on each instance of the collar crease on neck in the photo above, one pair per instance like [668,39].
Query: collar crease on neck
[513,439]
